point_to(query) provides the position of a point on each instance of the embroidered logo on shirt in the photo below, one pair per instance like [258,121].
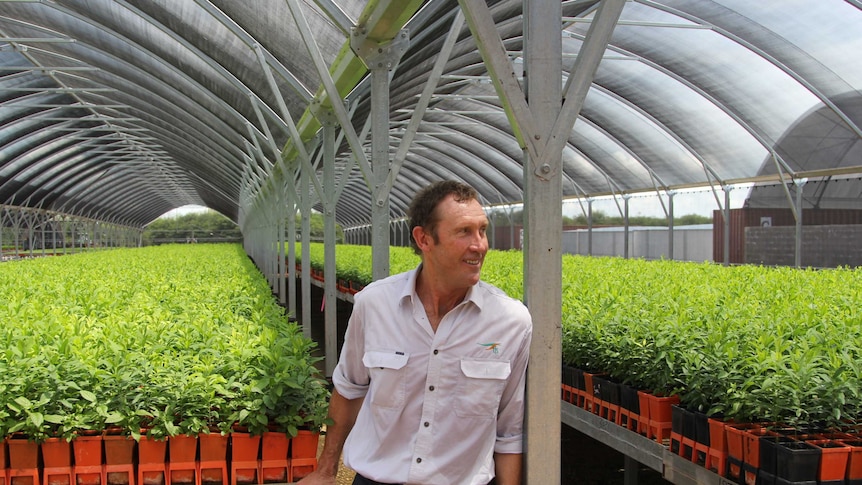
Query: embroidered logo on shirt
[493,347]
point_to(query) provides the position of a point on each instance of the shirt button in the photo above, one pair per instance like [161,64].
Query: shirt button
[431,388]
[426,424]
[418,460]
[436,351]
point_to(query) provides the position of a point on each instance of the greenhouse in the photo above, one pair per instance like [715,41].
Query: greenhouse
[749,113]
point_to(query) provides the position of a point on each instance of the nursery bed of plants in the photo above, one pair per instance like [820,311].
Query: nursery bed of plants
[749,343]
[172,340]
[754,373]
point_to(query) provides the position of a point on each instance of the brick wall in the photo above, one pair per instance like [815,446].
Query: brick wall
[822,246]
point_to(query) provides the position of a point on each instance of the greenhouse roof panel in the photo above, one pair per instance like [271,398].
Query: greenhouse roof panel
[123,110]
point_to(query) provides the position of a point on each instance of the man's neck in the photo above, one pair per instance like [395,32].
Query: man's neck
[437,299]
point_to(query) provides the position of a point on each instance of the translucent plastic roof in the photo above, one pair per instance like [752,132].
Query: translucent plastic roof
[122,110]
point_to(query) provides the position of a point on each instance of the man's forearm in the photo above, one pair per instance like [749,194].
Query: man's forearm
[342,412]
[507,467]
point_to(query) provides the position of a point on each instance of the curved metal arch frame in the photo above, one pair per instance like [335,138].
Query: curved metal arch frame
[227,159]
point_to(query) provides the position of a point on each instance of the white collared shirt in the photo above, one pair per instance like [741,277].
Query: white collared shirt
[437,405]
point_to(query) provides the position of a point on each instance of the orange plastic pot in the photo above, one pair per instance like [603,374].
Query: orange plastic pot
[213,457]
[152,451]
[119,459]
[56,452]
[119,449]
[590,400]
[273,457]
[245,449]
[661,416]
[751,452]
[23,461]
[182,448]
[716,460]
[88,459]
[87,450]
[834,457]
[23,453]
[735,446]
[643,420]
[56,461]
[854,462]
[660,407]
[717,434]
[152,457]
[303,454]
[304,444]
[182,451]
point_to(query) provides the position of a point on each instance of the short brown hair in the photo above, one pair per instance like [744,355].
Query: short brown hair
[422,209]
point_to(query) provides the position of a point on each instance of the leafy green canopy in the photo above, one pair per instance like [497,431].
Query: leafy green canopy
[749,342]
[180,339]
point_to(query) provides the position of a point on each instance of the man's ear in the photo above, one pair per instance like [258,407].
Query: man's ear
[421,237]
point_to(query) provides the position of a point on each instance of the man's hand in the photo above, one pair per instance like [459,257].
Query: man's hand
[318,477]
[342,413]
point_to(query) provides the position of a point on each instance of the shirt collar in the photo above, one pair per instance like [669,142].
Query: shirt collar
[409,290]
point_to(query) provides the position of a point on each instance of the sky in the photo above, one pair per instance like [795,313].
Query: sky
[700,202]
[181,211]
[696,201]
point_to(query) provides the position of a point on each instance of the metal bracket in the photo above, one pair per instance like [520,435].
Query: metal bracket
[325,115]
[379,55]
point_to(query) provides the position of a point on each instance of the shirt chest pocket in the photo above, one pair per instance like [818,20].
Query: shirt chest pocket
[480,387]
[388,382]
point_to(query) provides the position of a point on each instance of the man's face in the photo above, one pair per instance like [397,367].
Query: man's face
[458,251]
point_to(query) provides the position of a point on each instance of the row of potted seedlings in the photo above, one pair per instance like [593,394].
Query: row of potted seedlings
[234,458]
[131,341]
[753,453]
[348,286]
[769,453]
[736,342]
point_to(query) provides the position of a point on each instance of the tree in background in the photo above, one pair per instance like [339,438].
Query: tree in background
[211,226]
[316,228]
[200,226]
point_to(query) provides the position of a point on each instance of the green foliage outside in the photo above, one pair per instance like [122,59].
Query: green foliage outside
[212,226]
[316,228]
[201,227]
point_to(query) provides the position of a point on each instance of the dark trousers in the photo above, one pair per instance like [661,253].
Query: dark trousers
[360,480]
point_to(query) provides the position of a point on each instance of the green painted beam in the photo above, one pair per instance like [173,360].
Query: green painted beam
[383,19]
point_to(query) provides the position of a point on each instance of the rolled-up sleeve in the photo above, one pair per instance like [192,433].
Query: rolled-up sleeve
[350,376]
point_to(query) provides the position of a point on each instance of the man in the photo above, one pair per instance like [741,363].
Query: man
[429,388]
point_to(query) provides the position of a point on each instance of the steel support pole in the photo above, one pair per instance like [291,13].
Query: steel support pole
[290,215]
[542,128]
[543,211]
[726,213]
[670,195]
[590,226]
[630,474]
[800,185]
[380,58]
[282,265]
[305,210]
[329,276]
[626,232]
[380,169]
